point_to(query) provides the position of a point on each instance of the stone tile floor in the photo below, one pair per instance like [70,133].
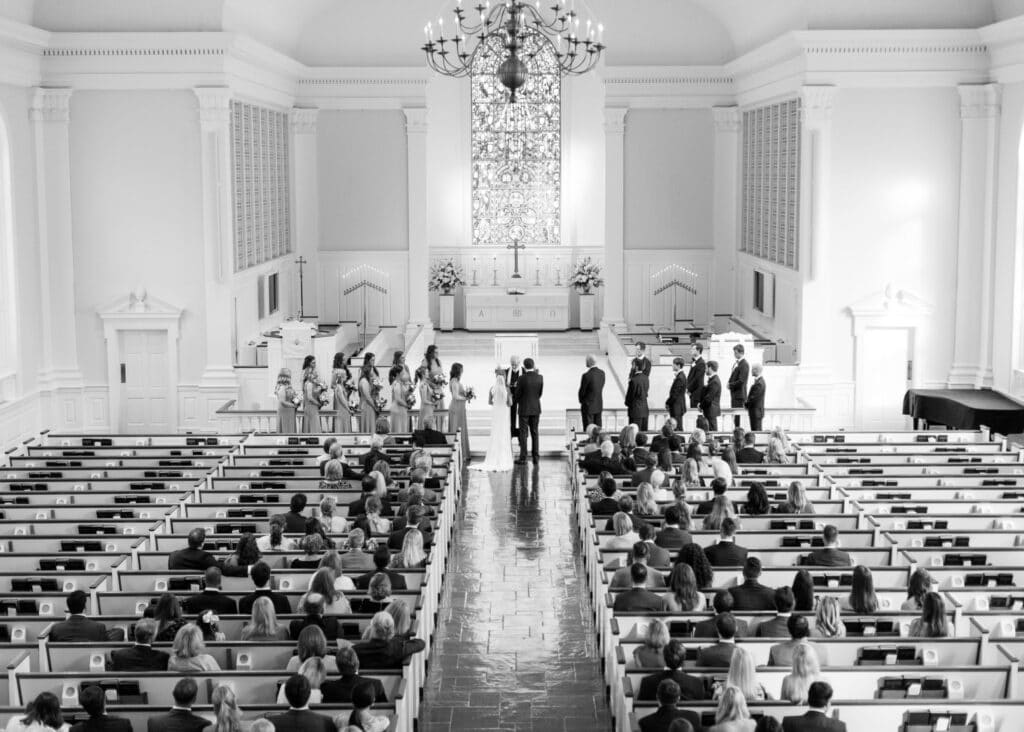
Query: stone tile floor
[515,647]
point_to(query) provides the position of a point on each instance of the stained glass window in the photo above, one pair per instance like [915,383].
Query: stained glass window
[517,149]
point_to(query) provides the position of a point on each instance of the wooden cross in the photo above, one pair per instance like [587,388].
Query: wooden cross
[515,246]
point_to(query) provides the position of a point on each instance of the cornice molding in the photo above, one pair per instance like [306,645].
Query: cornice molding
[51,105]
[214,107]
[668,86]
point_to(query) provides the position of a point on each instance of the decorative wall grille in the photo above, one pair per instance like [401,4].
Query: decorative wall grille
[770,226]
[259,142]
[517,149]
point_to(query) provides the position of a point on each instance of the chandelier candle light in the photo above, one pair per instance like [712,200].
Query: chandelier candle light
[577,48]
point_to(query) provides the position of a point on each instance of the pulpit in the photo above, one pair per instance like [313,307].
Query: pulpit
[297,339]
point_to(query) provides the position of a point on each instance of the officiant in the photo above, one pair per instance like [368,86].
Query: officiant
[512,374]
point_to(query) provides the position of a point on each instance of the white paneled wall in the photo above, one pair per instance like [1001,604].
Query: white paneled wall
[643,306]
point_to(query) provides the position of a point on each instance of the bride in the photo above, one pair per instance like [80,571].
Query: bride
[499,452]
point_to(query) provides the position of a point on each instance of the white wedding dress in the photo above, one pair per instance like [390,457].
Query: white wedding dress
[499,451]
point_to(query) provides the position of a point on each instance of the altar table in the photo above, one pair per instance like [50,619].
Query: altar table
[540,308]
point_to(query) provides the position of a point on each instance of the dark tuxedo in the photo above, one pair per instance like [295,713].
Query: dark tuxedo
[281,604]
[511,379]
[362,582]
[640,599]
[710,401]
[830,557]
[812,721]
[691,687]
[196,560]
[103,723]
[707,629]
[423,437]
[671,537]
[726,554]
[528,391]
[676,402]
[738,383]
[301,720]
[750,456]
[78,629]
[662,719]
[716,656]
[339,691]
[591,396]
[636,399]
[138,658]
[176,720]
[754,403]
[211,600]
[695,381]
[752,595]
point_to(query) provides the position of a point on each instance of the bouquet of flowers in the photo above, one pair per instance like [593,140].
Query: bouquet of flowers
[470,393]
[353,402]
[437,385]
[410,398]
[380,402]
[586,275]
[324,394]
[293,396]
[445,277]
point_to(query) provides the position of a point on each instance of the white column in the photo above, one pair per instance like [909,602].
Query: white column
[50,115]
[972,339]
[305,210]
[726,202]
[218,237]
[614,171]
[419,253]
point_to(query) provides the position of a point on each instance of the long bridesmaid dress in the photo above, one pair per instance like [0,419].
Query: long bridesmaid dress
[286,410]
[457,416]
[310,408]
[426,406]
[368,412]
[343,420]
[399,408]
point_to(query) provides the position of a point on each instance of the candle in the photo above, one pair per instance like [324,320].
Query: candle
[600,33]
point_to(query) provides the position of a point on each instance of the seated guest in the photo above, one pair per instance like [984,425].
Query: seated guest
[806,670]
[625,535]
[671,536]
[799,629]
[402,615]
[246,554]
[743,675]
[721,509]
[830,555]
[339,691]
[194,557]
[638,597]
[375,453]
[767,723]
[275,540]
[312,607]
[381,560]
[260,576]
[415,517]
[645,504]
[78,628]
[656,556]
[603,460]
[933,622]
[93,700]
[180,717]
[313,526]
[718,487]
[316,672]
[332,523]
[263,625]
[211,598]
[776,453]
[355,559]
[719,655]
[593,440]
[732,714]
[189,652]
[42,714]
[757,500]
[227,715]
[828,619]
[411,555]
[726,553]
[371,522]
[361,717]
[312,546]
[691,477]
[378,596]
[298,718]
[650,653]
[919,585]
[382,647]
[312,643]
[428,434]
[382,429]
[626,506]
[622,579]
[322,458]
[323,583]
[141,656]
[796,500]
[818,718]
[208,624]
[342,468]
[691,688]
[667,438]
[294,521]
[723,605]
[693,555]
[748,453]
[662,719]
[803,591]
[862,598]
[777,627]
[752,595]
[683,595]
[608,505]
[332,561]
[648,465]
[169,617]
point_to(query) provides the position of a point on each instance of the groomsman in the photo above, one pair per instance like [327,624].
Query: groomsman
[738,382]
[710,401]
[591,393]
[512,374]
[640,361]
[636,399]
[676,402]
[695,379]
[755,399]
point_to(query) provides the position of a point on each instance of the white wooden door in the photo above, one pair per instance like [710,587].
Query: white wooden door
[145,391]
[883,377]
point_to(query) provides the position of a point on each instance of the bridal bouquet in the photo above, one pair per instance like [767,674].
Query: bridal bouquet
[353,401]
[410,398]
[324,394]
[380,402]
[437,385]
[470,393]
[293,397]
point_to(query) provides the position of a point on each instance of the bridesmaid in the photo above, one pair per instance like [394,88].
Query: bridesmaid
[339,375]
[310,396]
[368,410]
[457,411]
[398,367]
[400,390]
[433,365]
[426,405]
[285,403]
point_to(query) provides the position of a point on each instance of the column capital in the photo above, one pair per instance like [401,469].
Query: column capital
[303,120]
[415,120]
[816,103]
[727,119]
[979,101]
[51,104]
[214,105]
[615,120]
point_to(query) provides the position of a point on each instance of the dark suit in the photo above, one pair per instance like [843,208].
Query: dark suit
[640,599]
[604,507]
[529,389]
[707,629]
[750,456]
[777,627]
[595,464]
[658,556]
[387,654]
[396,538]
[754,403]
[752,595]
[636,399]
[211,600]
[691,687]
[78,629]
[295,720]
[328,624]
[103,723]
[812,721]
[176,720]
[423,437]
[591,396]
[695,381]
[362,582]
[511,379]
[281,604]
[340,690]
[641,476]
[671,537]
[738,386]
[726,554]
[643,364]
[830,557]
[676,402]
[138,658]
[716,656]
[710,401]
[662,719]
[193,559]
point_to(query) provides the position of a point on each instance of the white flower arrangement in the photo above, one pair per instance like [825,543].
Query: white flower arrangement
[324,395]
[586,275]
[445,276]
[353,402]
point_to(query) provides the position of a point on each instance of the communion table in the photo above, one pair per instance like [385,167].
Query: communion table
[539,308]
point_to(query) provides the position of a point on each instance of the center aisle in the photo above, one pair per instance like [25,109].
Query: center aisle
[515,646]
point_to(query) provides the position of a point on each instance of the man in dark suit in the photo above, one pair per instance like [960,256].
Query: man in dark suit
[298,718]
[78,628]
[180,718]
[602,460]
[591,393]
[661,720]
[720,654]
[211,598]
[638,597]
[260,576]
[726,553]
[718,488]
[295,522]
[142,656]
[738,382]
[644,472]
[94,702]
[830,555]
[656,556]
[427,435]
[711,399]
[781,654]
[312,606]
[529,389]
[754,403]
[666,439]
[636,399]
[608,505]
[748,453]
[640,361]
[622,578]
[676,402]
[512,375]
[695,379]
[672,537]
[194,557]
[691,688]
[355,559]
[381,559]
[723,604]
[778,627]
[339,691]
[752,595]
[818,717]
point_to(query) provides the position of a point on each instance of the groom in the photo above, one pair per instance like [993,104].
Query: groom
[528,390]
